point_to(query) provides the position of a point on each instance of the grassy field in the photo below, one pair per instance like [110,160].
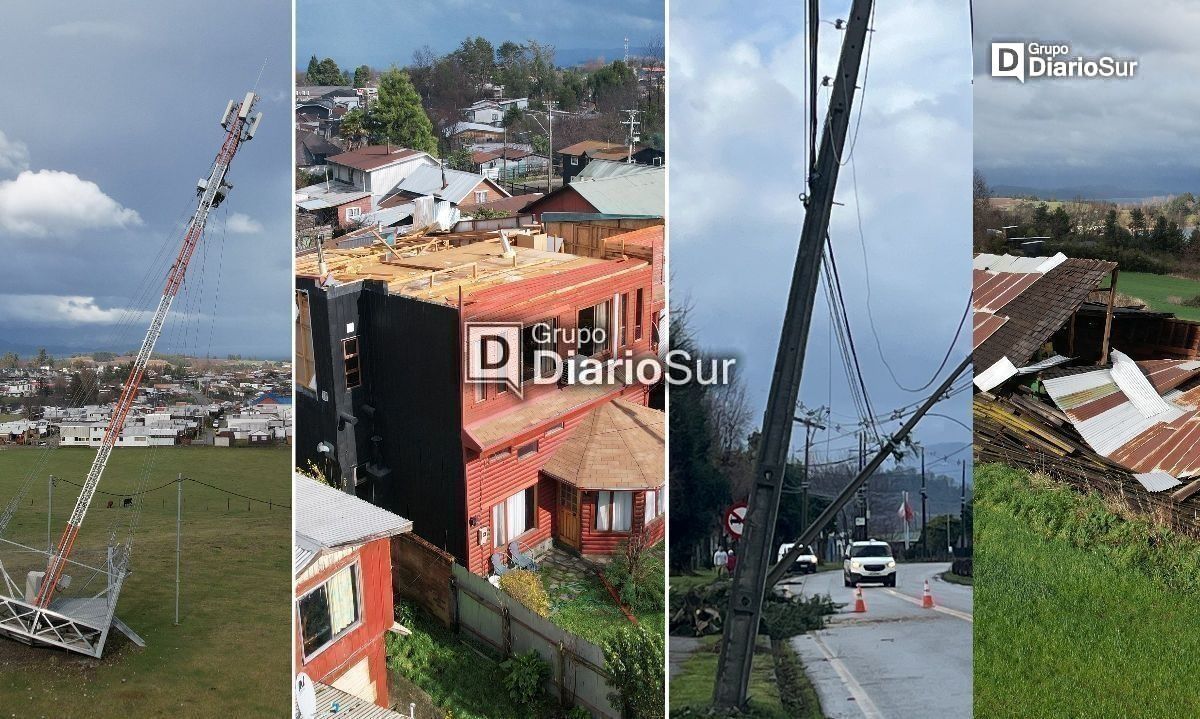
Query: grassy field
[1162,292]
[230,655]
[1071,620]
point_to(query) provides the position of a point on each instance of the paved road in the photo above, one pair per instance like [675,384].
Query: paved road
[897,660]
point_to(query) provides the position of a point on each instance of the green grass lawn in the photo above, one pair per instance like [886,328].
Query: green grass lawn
[1160,290]
[463,678]
[230,655]
[585,608]
[1068,621]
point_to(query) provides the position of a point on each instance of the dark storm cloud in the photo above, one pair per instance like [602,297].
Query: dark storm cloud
[128,97]
[1137,136]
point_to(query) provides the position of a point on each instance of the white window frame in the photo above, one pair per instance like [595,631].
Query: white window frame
[606,500]
[353,213]
[500,533]
[480,196]
[356,567]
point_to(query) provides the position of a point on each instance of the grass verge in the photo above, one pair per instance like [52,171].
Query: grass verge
[953,578]
[1069,621]
[230,654]
[796,692]
[692,689]
[584,607]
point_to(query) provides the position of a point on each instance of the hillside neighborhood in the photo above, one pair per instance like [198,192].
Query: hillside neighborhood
[225,404]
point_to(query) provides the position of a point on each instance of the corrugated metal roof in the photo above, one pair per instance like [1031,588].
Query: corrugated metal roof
[326,518]
[1045,364]
[1157,481]
[1099,406]
[328,194]
[349,706]
[643,193]
[373,157]
[597,169]
[428,181]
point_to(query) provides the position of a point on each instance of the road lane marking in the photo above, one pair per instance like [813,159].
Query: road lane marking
[861,699]
[965,616]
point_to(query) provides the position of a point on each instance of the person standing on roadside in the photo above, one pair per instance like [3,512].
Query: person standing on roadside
[720,560]
[731,562]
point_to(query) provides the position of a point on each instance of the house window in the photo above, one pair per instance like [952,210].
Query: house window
[352,213]
[544,331]
[614,511]
[574,160]
[501,388]
[593,329]
[655,503]
[480,197]
[306,368]
[480,391]
[499,456]
[624,320]
[638,311]
[514,516]
[658,161]
[527,449]
[329,611]
[350,355]
[555,429]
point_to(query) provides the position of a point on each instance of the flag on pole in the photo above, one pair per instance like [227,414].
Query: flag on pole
[906,514]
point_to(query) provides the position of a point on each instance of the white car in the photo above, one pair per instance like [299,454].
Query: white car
[869,561]
[806,563]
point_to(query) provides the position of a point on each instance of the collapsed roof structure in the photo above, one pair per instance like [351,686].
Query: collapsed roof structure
[1120,416]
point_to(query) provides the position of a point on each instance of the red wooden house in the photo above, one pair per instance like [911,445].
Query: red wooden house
[383,402]
[344,603]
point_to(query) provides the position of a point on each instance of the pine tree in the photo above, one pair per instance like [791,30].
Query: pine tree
[314,67]
[398,116]
[362,75]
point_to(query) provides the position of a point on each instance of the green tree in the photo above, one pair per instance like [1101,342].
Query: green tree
[398,116]
[325,72]
[1137,221]
[614,87]
[354,127]
[1111,228]
[314,67]
[11,360]
[362,76]
[43,358]
[460,159]
[476,57]
[1060,223]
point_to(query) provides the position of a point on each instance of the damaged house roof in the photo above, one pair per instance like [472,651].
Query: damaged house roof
[1021,302]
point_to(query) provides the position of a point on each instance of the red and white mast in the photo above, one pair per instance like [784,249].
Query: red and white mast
[240,127]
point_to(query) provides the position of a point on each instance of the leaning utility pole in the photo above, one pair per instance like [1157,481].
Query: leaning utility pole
[749,579]
[860,480]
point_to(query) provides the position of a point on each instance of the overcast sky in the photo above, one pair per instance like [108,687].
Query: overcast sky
[737,167]
[111,115]
[329,29]
[1137,135]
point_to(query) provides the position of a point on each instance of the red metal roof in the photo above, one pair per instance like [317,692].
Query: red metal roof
[985,324]
[372,156]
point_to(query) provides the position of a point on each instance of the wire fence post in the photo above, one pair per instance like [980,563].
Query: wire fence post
[178,535]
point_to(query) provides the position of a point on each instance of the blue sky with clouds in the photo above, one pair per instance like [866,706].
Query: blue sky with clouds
[736,169]
[380,33]
[111,115]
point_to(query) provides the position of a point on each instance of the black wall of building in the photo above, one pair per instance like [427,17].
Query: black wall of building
[410,400]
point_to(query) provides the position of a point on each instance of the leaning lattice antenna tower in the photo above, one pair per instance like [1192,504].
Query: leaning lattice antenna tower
[36,617]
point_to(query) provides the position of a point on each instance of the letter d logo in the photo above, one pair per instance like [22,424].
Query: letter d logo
[1008,60]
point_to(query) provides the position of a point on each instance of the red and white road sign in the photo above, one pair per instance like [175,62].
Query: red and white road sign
[735,519]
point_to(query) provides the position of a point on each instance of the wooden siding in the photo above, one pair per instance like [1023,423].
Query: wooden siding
[365,640]
[564,307]
[596,542]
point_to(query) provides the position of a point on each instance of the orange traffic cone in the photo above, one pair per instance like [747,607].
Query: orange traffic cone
[927,599]
[859,604]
